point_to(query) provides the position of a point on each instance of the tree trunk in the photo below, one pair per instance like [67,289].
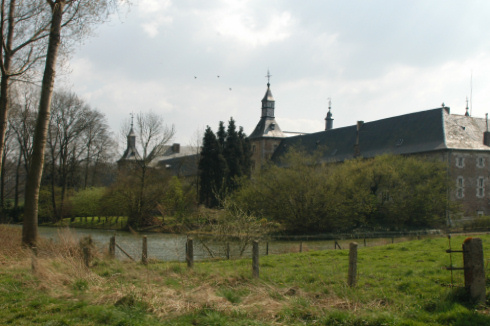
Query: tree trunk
[16,194]
[30,228]
[4,83]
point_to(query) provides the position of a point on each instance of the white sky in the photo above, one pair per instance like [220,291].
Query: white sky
[375,59]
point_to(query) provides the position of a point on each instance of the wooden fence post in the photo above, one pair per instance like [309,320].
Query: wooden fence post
[267,248]
[189,253]
[255,259]
[112,247]
[34,259]
[352,277]
[301,247]
[144,255]
[86,256]
[228,250]
[474,269]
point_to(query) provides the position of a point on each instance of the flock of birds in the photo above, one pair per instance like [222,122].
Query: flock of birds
[218,76]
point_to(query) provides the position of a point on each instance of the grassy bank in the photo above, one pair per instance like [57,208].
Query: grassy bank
[398,284]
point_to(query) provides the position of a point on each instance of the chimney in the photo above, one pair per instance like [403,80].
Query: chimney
[486,133]
[176,148]
[447,108]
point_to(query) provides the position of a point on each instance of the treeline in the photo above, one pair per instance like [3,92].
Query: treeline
[79,152]
[385,193]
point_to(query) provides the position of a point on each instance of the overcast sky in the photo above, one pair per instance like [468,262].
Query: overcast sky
[374,59]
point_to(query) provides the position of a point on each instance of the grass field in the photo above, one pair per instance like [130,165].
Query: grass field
[398,284]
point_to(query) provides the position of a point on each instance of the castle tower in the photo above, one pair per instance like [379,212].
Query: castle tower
[267,135]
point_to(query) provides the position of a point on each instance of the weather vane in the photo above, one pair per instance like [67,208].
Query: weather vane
[132,117]
[268,77]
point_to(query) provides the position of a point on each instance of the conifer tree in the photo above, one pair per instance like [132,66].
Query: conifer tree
[225,157]
[246,161]
[233,154]
[221,134]
[212,167]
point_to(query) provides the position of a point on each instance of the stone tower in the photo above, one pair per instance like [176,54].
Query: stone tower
[267,134]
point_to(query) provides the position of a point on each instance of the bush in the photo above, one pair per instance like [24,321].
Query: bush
[87,202]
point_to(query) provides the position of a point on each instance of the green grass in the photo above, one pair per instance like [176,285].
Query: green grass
[398,284]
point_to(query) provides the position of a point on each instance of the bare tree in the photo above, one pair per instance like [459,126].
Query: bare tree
[73,17]
[24,27]
[69,121]
[98,144]
[152,137]
[22,121]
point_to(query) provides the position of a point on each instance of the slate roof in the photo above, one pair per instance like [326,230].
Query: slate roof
[131,153]
[418,132]
[182,166]
[267,127]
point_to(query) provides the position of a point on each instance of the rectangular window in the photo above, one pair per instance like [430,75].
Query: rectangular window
[480,187]
[460,162]
[460,187]
[459,193]
[460,182]
[480,162]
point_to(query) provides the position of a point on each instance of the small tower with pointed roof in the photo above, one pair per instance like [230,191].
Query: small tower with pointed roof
[328,119]
[131,154]
[267,134]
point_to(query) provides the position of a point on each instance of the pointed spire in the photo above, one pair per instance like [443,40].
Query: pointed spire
[131,153]
[268,101]
[328,119]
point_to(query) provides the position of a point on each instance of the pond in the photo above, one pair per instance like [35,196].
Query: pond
[171,247]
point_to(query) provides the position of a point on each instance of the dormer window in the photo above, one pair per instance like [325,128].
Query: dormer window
[273,126]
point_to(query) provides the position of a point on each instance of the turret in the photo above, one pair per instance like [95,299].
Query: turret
[268,103]
[131,153]
[328,119]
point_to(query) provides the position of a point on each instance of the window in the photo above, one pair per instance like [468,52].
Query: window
[480,162]
[253,148]
[460,187]
[460,182]
[460,162]
[479,213]
[480,187]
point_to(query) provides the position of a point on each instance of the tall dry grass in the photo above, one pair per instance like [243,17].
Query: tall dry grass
[10,243]
[57,264]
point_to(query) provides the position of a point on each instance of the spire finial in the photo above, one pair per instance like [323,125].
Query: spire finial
[329,104]
[467,108]
[132,117]
[268,78]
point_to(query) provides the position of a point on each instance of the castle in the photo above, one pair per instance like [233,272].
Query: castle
[462,142]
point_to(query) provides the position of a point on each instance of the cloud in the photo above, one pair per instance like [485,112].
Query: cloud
[153,15]
[249,24]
